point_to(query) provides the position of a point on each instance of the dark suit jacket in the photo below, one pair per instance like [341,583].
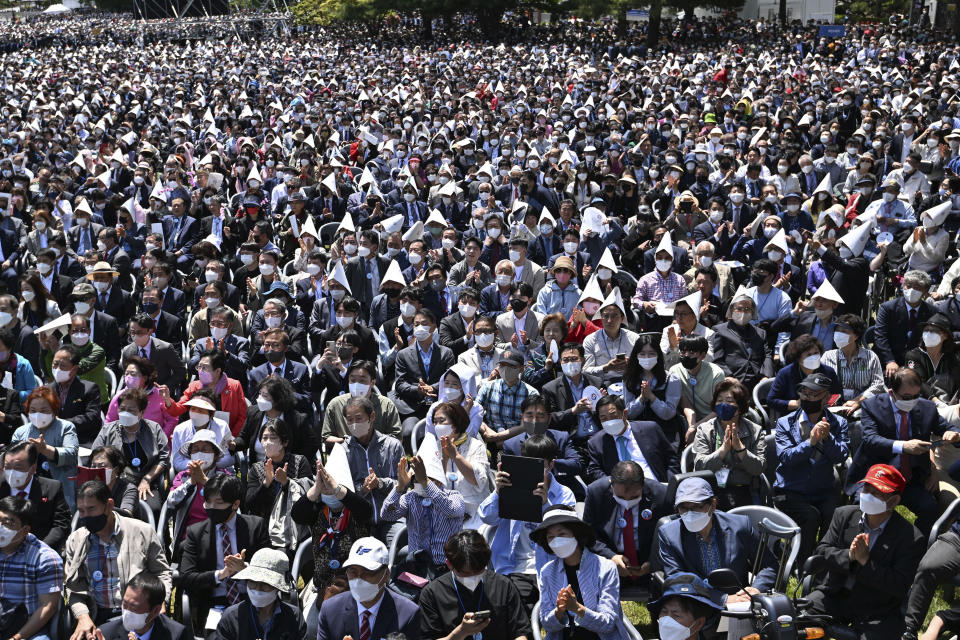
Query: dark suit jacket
[61,288]
[236,623]
[73,238]
[490,301]
[420,212]
[339,617]
[171,370]
[368,341]
[561,402]
[51,515]
[893,336]
[298,346]
[170,328]
[27,345]
[120,305]
[568,460]
[602,512]
[303,440]
[681,260]
[106,333]
[705,231]
[232,300]
[410,371]
[119,260]
[198,563]
[738,542]
[294,320]
[880,429]
[69,268]
[189,234]
[879,587]
[357,277]
[174,302]
[745,352]
[295,372]
[82,408]
[747,216]
[238,357]
[452,334]
[164,628]
[849,278]
[656,449]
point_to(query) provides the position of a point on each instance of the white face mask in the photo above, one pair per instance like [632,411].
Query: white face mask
[812,362]
[443,430]
[79,339]
[246,258]
[448,243]
[358,429]
[133,621]
[906,405]
[912,295]
[563,546]
[470,582]
[741,318]
[695,521]
[841,339]
[16,479]
[344,321]
[61,375]
[871,504]
[206,459]
[363,252]
[736,198]
[363,591]
[422,332]
[219,333]
[670,629]
[776,256]
[484,340]
[570,247]
[647,364]
[514,255]
[199,419]
[931,339]
[627,504]
[613,427]
[664,265]
[261,599]
[570,368]
[888,197]
[414,257]
[44,268]
[267,269]
[845,253]
[127,418]
[264,404]
[358,389]
[5,318]
[273,322]
[494,232]
[468,310]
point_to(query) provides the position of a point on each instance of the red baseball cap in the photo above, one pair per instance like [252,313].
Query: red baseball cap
[885,478]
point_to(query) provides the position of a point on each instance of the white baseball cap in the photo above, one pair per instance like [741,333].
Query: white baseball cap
[368,553]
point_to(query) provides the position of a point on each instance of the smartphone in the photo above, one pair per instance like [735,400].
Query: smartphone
[332,345]
[481,615]
[621,356]
[939,443]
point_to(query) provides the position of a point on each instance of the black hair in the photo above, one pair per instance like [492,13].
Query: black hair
[694,343]
[143,320]
[150,585]
[23,445]
[350,304]
[627,472]
[218,359]
[225,485]
[609,399]
[540,445]
[96,489]
[21,508]
[366,365]
[466,550]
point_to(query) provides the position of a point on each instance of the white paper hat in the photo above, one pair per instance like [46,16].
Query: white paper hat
[826,292]
[414,233]
[779,240]
[436,217]
[347,223]
[592,290]
[606,260]
[614,299]
[393,223]
[394,275]
[937,214]
[340,276]
[694,300]
[856,239]
[666,244]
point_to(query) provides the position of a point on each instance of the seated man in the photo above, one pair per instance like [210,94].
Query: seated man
[419,368]
[687,602]
[95,573]
[512,552]
[623,510]
[142,612]
[80,399]
[214,550]
[502,398]
[51,515]
[369,609]
[534,418]
[699,380]
[31,572]
[703,539]
[897,430]
[448,605]
[810,441]
[571,411]
[872,554]
[642,442]
[361,381]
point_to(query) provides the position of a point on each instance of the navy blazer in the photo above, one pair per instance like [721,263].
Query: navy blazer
[339,617]
[189,234]
[174,302]
[410,370]
[880,426]
[568,460]
[164,628]
[738,542]
[236,349]
[602,512]
[660,456]
[295,372]
[490,301]
[420,212]
[893,336]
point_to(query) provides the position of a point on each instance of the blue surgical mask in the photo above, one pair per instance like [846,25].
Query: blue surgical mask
[725,411]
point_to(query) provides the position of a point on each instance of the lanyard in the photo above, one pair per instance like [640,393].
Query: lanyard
[256,625]
[427,505]
[459,599]
[606,345]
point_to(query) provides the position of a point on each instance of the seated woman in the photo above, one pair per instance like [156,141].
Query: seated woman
[543,369]
[581,322]
[462,457]
[740,347]
[19,368]
[337,518]
[688,607]
[649,392]
[458,385]
[275,401]
[803,355]
[55,440]
[579,590]
[276,483]
[186,492]
[140,373]
[686,322]
[730,445]
[92,357]
[124,494]
[143,443]
[936,360]
[202,416]
[37,307]
[857,366]
[228,393]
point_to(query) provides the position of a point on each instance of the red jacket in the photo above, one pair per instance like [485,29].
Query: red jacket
[232,401]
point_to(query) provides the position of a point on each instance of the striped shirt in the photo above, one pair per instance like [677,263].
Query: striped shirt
[862,375]
[102,564]
[431,518]
[31,571]
[501,404]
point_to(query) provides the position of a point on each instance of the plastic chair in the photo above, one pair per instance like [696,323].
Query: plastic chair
[686,459]
[757,513]
[146,514]
[760,392]
[675,481]
[111,381]
[327,231]
[414,445]
[302,549]
[398,544]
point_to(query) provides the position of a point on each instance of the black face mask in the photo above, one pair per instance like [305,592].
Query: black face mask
[686,206]
[219,516]
[149,307]
[515,180]
[94,524]
[275,357]
[393,294]
[345,353]
[689,362]
[811,407]
[757,278]
[518,305]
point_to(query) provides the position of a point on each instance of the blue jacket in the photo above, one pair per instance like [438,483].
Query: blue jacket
[338,617]
[738,543]
[797,469]
[24,380]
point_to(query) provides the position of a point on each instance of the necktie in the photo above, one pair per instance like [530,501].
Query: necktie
[365,626]
[21,494]
[410,214]
[233,590]
[629,539]
[906,462]
[143,352]
[103,301]
[622,449]
[913,318]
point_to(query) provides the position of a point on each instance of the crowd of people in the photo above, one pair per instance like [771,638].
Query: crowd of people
[279,310]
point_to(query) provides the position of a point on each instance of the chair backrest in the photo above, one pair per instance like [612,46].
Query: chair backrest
[415,435]
[686,459]
[757,513]
[675,481]
[399,542]
[770,458]
[656,562]
[760,392]
[327,231]
[944,521]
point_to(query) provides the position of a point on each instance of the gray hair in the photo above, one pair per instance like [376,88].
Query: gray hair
[281,306]
[919,278]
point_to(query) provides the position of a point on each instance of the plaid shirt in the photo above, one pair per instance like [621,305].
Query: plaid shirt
[102,561]
[653,287]
[33,570]
[501,404]
[862,375]
[431,518]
